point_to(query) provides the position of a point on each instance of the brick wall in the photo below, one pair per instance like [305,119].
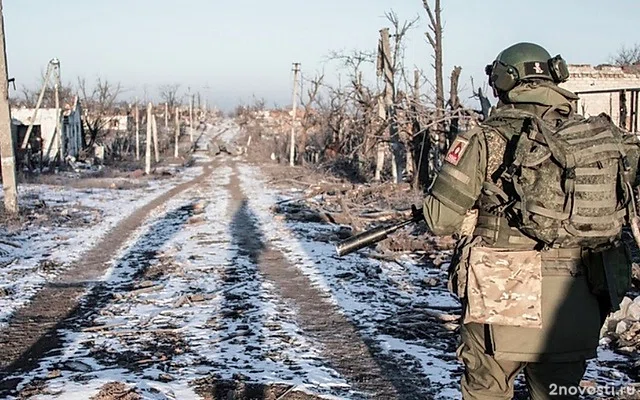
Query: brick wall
[587,77]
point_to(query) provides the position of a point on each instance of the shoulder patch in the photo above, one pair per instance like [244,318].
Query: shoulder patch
[458,147]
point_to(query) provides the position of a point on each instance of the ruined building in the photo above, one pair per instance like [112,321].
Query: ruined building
[606,88]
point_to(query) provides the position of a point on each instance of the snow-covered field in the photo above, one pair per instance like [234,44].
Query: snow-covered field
[191,305]
[184,307]
[368,292]
[34,255]
[205,310]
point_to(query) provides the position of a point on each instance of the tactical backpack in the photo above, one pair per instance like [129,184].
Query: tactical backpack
[570,184]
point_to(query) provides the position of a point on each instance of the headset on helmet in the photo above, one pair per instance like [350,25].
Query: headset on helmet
[525,61]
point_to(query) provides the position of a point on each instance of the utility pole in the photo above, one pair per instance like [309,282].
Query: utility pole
[6,139]
[166,115]
[177,134]
[147,154]
[191,118]
[154,128]
[386,70]
[137,114]
[56,87]
[25,142]
[292,150]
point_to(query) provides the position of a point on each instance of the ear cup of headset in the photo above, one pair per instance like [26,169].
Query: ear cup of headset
[559,69]
[503,77]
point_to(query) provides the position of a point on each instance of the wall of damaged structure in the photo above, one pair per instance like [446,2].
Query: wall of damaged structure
[72,128]
[586,78]
[45,122]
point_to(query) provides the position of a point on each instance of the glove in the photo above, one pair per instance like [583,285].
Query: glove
[416,213]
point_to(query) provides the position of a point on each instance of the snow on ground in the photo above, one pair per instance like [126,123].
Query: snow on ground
[182,304]
[367,291]
[370,292]
[215,314]
[30,257]
[227,130]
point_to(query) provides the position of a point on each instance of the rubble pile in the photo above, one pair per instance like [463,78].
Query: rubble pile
[622,328]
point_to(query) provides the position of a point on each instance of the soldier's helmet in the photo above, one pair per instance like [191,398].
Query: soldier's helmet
[525,62]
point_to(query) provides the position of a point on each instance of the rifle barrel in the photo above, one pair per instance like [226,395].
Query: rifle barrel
[366,238]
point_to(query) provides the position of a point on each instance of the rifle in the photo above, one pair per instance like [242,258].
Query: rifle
[366,238]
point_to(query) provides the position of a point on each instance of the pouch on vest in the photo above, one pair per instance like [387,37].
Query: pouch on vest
[504,287]
[458,269]
[609,273]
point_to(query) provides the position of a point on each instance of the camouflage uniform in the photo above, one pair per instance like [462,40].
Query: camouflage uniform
[555,329]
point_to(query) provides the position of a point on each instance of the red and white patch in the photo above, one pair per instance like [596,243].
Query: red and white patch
[456,151]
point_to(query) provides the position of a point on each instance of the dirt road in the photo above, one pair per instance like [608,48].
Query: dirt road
[206,293]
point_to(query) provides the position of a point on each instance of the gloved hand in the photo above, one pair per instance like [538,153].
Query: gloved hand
[417,213]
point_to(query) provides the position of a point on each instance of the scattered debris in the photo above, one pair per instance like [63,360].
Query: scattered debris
[116,391]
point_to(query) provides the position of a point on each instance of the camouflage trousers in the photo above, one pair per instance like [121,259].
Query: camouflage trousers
[487,378]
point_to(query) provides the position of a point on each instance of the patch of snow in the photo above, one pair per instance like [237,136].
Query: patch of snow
[275,349]
[23,272]
[366,291]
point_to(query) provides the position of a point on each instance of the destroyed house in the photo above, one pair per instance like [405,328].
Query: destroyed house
[607,89]
[43,142]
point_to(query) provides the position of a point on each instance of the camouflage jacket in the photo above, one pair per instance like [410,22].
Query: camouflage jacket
[569,314]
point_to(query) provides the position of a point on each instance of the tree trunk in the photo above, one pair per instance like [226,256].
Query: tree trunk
[454,103]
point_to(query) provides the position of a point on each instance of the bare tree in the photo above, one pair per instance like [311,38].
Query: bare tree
[310,117]
[98,102]
[401,144]
[169,95]
[435,40]
[29,96]
[400,30]
[626,56]
[481,95]
[356,102]
[454,102]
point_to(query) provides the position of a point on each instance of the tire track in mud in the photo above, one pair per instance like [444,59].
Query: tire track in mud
[32,330]
[346,351]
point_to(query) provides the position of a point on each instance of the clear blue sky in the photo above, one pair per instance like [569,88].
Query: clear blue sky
[241,48]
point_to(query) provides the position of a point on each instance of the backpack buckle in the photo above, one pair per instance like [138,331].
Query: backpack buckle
[625,163]
[510,171]
[570,173]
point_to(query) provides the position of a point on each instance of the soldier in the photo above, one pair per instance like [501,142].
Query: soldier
[552,191]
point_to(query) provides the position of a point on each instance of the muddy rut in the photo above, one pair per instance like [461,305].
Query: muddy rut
[32,331]
[355,357]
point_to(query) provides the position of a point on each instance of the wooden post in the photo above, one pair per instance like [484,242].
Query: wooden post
[166,115]
[177,133]
[623,109]
[56,88]
[6,139]
[191,118]
[137,116]
[292,149]
[386,63]
[25,142]
[156,149]
[147,154]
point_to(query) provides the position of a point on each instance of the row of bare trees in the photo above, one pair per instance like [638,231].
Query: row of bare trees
[387,130]
[356,127]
